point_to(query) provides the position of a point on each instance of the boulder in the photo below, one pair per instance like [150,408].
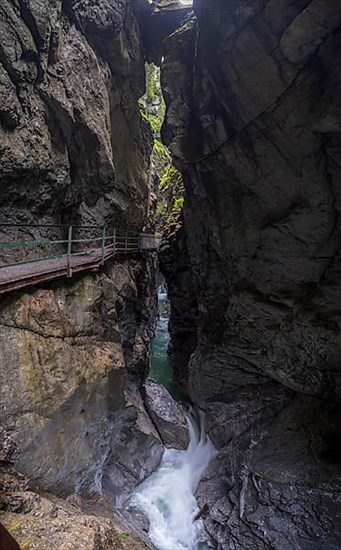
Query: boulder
[168,416]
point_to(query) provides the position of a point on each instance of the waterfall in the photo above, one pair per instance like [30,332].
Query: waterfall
[167,496]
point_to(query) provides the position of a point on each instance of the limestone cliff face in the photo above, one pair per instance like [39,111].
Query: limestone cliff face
[72,146]
[74,149]
[253,121]
[183,324]
[72,357]
[46,522]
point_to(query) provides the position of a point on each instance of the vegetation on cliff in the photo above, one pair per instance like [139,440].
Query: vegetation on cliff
[166,179]
[171,197]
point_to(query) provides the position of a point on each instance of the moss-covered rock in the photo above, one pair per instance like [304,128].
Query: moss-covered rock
[166,179]
[171,197]
[49,523]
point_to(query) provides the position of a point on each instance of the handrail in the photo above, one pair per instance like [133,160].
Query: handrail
[66,247]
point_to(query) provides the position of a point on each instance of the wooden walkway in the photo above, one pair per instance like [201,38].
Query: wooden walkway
[19,276]
[77,250]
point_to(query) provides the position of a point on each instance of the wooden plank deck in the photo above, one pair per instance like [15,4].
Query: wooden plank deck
[23,275]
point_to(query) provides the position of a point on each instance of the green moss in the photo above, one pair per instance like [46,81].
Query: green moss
[161,208]
[172,178]
[153,120]
[178,203]
[153,87]
[161,153]
[152,82]
[156,123]
[171,198]
[170,188]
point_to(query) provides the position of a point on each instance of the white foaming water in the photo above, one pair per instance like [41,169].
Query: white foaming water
[167,496]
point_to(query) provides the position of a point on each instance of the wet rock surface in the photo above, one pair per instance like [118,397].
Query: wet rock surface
[252,123]
[71,361]
[277,480]
[173,260]
[43,521]
[73,145]
[158,20]
[168,416]
[74,149]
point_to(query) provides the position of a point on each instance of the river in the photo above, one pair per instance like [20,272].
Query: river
[167,496]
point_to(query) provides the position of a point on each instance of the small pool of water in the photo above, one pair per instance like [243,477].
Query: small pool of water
[161,367]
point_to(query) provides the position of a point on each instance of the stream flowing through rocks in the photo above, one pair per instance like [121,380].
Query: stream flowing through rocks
[167,497]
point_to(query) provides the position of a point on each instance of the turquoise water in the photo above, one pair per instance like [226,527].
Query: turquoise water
[167,496]
[161,367]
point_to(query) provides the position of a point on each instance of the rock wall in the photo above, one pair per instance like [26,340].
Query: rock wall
[72,359]
[46,522]
[73,146]
[252,94]
[75,149]
[183,323]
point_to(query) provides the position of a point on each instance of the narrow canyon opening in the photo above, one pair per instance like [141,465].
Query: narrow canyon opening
[170,275]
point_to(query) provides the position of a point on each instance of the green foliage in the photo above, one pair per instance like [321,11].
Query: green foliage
[162,155]
[172,178]
[171,197]
[156,123]
[161,208]
[153,120]
[170,190]
[124,536]
[176,210]
[153,96]
[153,82]
[178,203]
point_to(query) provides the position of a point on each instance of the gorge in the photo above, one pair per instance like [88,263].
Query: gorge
[250,256]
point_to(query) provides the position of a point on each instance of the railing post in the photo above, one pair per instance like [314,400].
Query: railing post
[103,244]
[114,240]
[69,252]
